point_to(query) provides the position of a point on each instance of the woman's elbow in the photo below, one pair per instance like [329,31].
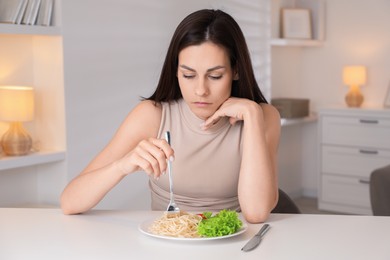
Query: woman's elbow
[258,216]
[69,210]
[67,207]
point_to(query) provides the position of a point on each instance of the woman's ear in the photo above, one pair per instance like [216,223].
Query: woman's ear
[235,76]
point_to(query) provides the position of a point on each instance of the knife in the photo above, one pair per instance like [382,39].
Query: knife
[255,241]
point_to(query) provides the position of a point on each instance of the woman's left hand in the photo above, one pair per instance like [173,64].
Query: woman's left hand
[234,108]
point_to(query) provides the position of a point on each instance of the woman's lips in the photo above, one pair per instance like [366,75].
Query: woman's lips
[201,104]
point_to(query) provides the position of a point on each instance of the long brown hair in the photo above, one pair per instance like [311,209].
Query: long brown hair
[219,28]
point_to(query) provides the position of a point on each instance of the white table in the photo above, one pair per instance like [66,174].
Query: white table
[48,234]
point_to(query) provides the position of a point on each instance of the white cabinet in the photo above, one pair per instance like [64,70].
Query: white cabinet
[33,56]
[317,11]
[352,143]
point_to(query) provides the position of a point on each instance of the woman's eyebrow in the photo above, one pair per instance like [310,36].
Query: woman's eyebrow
[210,69]
[216,68]
[187,68]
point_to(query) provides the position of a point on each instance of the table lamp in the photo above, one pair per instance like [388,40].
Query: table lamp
[16,106]
[354,77]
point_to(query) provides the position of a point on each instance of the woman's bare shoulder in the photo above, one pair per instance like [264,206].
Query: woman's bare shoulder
[142,122]
[146,114]
[270,112]
[149,107]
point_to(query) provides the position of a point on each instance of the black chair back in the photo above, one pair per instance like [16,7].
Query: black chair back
[380,191]
[285,204]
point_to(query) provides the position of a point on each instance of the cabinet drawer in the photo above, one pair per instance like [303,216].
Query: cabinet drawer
[352,161]
[353,130]
[345,190]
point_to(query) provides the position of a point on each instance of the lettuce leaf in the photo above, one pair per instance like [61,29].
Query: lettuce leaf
[224,223]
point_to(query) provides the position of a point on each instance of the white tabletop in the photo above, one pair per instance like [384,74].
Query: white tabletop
[48,234]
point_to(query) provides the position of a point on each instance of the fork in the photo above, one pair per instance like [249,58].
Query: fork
[172,207]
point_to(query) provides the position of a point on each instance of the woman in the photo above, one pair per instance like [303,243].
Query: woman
[224,134]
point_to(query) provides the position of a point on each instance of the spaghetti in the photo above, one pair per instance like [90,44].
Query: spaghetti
[178,225]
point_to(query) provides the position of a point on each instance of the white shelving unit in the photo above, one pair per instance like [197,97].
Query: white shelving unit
[280,47]
[13,162]
[317,10]
[32,55]
[286,68]
[29,29]
[22,29]
[293,42]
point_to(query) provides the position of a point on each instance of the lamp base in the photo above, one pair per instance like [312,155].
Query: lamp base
[354,98]
[16,141]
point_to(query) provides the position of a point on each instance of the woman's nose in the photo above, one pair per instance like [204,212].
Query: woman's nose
[201,89]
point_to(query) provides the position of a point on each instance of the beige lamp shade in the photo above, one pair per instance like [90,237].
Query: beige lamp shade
[16,106]
[16,103]
[354,75]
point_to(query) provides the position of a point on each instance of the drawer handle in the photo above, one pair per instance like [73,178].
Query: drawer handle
[364,181]
[368,151]
[369,121]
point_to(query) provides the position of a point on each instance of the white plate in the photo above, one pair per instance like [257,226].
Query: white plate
[144,228]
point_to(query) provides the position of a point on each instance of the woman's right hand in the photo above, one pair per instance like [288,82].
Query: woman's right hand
[149,155]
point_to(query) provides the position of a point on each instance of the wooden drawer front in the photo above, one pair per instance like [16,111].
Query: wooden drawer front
[352,161]
[364,131]
[345,190]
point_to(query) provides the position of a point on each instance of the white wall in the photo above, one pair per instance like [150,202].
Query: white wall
[357,32]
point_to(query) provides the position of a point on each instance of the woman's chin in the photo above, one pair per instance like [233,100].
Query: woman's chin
[202,114]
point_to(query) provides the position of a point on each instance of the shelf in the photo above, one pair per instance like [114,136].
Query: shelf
[11,162]
[296,121]
[317,12]
[295,43]
[29,29]
[32,55]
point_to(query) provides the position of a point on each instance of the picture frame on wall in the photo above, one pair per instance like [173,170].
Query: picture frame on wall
[296,23]
[386,103]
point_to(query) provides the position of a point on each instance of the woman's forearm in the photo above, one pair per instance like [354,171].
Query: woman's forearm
[87,189]
[257,189]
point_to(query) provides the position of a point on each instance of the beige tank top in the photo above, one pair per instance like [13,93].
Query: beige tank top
[207,163]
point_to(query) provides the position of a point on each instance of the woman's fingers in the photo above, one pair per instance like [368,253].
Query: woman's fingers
[211,121]
[153,154]
[147,161]
[149,156]
[228,109]
[233,108]
[233,120]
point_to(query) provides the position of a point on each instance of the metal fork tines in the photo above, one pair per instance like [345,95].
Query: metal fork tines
[172,207]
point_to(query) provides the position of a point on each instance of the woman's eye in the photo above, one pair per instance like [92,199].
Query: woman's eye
[188,76]
[215,77]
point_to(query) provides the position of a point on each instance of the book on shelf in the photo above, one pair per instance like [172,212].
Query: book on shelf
[9,10]
[45,13]
[21,12]
[31,14]
[34,15]
[27,12]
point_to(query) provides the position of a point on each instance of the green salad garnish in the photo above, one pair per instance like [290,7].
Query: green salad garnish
[223,223]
